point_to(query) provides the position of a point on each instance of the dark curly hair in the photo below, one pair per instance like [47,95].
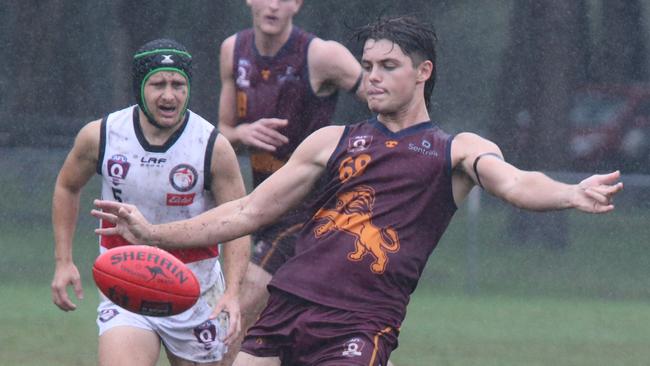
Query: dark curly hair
[416,39]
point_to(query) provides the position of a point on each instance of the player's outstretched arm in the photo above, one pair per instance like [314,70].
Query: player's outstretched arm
[527,189]
[78,168]
[268,202]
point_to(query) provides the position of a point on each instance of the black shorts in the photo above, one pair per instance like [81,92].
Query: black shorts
[301,332]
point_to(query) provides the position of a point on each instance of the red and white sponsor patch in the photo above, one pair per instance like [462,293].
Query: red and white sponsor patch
[174,199]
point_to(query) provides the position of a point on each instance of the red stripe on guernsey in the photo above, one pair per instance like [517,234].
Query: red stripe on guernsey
[185,255]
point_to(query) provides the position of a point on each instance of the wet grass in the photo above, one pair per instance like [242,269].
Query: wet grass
[502,331]
[440,329]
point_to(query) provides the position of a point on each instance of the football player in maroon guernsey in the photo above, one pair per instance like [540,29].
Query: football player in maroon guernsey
[279,84]
[386,190]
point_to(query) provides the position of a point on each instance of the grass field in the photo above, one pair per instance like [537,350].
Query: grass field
[441,329]
[493,304]
[504,331]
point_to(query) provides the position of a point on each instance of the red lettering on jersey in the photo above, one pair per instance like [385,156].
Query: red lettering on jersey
[174,199]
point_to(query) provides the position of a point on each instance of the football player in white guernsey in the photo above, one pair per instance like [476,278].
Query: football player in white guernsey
[174,164]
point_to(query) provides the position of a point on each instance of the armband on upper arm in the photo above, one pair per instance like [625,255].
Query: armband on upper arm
[475,166]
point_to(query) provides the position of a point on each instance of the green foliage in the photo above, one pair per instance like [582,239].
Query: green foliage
[82,63]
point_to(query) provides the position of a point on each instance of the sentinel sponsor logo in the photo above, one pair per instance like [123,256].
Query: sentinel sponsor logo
[150,258]
[422,150]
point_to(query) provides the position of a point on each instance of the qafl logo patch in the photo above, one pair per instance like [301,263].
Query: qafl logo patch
[359,143]
[353,347]
[118,167]
[206,334]
[107,314]
[183,177]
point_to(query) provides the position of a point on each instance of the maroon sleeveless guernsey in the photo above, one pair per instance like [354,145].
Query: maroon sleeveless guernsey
[278,87]
[384,202]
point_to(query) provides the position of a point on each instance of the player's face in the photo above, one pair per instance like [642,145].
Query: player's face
[273,17]
[166,93]
[389,76]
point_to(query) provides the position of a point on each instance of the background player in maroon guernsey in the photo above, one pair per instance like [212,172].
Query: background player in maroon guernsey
[278,85]
[387,189]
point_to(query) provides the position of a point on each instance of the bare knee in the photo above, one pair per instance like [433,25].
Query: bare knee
[244,359]
[177,361]
[256,276]
[128,346]
[254,293]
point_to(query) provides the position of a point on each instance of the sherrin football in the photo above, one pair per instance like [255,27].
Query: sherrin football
[146,280]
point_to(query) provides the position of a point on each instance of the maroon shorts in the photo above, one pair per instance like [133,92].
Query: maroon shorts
[300,332]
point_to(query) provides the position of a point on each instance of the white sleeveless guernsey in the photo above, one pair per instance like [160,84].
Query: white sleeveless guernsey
[167,183]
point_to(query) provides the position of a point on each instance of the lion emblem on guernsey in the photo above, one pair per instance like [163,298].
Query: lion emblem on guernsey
[353,215]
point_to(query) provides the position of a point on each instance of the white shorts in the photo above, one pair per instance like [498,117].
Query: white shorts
[189,335]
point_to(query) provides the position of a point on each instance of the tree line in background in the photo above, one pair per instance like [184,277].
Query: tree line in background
[551,53]
[68,62]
